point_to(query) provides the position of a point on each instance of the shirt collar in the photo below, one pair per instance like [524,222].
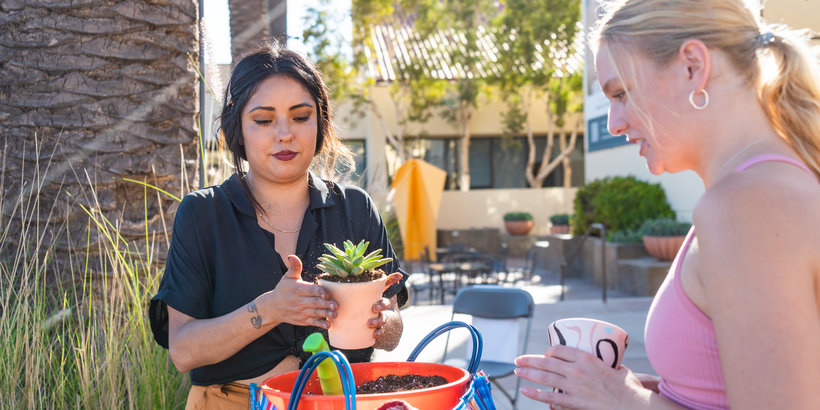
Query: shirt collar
[318,191]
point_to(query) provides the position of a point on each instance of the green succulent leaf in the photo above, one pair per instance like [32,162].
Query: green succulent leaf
[350,261]
[362,247]
[336,251]
[373,255]
[375,263]
[342,273]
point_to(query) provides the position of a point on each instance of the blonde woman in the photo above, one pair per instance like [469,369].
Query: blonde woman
[703,85]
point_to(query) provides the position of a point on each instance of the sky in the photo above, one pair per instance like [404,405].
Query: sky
[218,33]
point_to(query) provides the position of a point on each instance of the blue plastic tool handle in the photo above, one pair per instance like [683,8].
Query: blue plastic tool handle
[345,373]
[478,343]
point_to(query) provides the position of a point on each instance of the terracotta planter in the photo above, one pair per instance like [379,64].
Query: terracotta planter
[278,388]
[519,227]
[559,229]
[349,329]
[663,248]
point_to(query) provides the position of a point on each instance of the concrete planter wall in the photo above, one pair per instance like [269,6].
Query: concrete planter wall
[629,268]
[559,247]
[593,266]
[487,240]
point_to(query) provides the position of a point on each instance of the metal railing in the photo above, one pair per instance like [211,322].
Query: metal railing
[564,262]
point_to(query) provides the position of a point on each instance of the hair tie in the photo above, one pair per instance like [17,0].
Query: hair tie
[765,39]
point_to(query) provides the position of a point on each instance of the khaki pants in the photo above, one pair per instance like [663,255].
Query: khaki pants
[227,396]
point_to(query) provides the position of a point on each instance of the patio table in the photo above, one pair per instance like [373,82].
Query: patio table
[459,270]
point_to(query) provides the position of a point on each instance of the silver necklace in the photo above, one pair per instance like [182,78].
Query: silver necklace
[740,151]
[274,227]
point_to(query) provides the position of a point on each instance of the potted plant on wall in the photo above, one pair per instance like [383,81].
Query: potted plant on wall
[518,223]
[663,237]
[560,223]
[353,281]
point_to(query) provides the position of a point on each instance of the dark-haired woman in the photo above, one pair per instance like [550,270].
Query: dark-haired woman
[238,295]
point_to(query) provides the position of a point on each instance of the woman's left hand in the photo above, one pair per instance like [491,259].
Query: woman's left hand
[388,324]
[585,380]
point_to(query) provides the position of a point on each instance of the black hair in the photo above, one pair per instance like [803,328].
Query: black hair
[268,60]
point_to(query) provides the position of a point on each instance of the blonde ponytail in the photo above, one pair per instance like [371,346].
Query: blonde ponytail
[790,94]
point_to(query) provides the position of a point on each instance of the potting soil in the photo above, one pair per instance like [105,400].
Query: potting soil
[393,383]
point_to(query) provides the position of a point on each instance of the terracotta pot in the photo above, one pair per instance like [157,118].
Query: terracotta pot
[519,227]
[278,388]
[349,329]
[558,229]
[663,248]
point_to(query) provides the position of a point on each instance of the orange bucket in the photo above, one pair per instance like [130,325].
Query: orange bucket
[277,389]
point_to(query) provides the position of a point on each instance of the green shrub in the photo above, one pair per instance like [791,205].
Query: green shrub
[560,219]
[664,227]
[619,203]
[518,216]
[626,236]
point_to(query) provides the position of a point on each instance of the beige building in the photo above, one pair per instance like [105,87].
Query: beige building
[496,166]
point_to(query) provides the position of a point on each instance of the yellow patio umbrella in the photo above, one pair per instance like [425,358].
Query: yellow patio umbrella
[416,192]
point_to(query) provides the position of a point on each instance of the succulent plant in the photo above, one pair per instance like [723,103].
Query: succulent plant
[351,261]
[518,216]
[664,227]
[560,219]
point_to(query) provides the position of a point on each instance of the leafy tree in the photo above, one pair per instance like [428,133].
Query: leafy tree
[538,41]
[413,92]
[532,33]
[464,24]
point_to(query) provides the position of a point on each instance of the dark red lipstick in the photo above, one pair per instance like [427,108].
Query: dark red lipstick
[285,155]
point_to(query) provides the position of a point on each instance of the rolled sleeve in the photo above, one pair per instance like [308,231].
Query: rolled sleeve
[185,285]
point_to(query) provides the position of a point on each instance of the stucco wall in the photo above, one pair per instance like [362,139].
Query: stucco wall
[486,121]
[795,13]
[485,208]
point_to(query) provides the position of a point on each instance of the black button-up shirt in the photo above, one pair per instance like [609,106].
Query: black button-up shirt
[220,259]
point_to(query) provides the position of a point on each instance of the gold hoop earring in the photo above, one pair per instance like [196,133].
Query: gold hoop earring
[705,99]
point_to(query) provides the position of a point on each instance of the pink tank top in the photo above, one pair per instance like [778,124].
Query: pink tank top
[680,339]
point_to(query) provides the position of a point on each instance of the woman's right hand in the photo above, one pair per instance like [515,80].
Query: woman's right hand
[295,301]
[198,342]
[585,380]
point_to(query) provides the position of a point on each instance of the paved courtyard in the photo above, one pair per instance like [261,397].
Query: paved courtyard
[582,299]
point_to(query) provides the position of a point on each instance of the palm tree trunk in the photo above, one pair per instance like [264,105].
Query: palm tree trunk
[94,93]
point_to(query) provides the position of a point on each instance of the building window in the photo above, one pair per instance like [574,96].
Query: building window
[481,163]
[441,152]
[496,162]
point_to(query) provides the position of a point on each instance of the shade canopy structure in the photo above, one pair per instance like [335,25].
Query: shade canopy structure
[416,191]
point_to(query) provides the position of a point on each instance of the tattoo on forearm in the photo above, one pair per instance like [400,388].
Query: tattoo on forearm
[256,321]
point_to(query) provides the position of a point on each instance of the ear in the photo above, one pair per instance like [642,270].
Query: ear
[695,57]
